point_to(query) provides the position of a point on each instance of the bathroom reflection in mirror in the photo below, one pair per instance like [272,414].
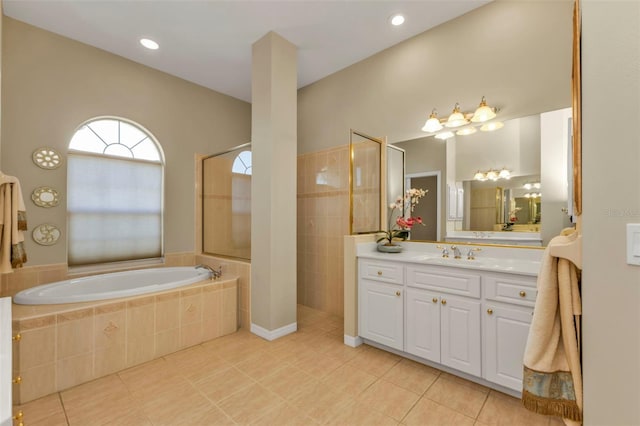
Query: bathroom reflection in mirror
[505,205]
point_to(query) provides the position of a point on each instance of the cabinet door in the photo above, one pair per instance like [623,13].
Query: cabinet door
[423,324]
[381,313]
[460,340]
[505,336]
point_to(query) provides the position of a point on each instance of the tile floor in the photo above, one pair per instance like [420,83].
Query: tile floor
[306,378]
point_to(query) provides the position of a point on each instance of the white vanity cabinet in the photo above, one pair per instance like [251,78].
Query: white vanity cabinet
[441,326]
[381,303]
[508,310]
[473,321]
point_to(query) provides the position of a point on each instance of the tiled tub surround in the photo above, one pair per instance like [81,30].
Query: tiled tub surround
[234,268]
[65,345]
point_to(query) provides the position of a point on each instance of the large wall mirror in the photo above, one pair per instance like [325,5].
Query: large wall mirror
[527,208]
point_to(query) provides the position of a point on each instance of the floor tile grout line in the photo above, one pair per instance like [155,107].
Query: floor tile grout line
[422,395]
[483,404]
[64,410]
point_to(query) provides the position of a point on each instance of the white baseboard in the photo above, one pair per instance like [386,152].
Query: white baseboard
[352,341]
[274,334]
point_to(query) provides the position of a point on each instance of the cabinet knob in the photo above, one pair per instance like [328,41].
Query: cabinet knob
[444,301]
[18,418]
[379,272]
[523,294]
[490,311]
[435,300]
[17,337]
[17,380]
[398,293]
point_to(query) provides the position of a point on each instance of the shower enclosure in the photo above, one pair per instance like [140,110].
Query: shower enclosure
[226,203]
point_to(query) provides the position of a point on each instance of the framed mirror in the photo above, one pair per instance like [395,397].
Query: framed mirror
[365,183]
[534,150]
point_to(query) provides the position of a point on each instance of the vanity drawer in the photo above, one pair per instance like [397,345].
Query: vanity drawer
[517,289]
[447,280]
[379,270]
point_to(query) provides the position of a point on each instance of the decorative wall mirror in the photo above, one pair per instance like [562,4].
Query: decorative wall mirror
[365,183]
[47,158]
[45,196]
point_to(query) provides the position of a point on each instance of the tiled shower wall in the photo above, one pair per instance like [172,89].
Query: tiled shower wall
[323,220]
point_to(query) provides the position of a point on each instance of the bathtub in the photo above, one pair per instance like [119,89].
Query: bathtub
[112,285]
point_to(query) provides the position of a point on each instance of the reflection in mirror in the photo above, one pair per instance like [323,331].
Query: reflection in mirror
[395,178]
[365,183]
[505,205]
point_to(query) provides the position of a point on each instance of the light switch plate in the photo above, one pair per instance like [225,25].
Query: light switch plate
[633,243]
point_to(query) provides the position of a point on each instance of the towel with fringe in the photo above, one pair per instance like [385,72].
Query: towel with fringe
[552,382]
[13,223]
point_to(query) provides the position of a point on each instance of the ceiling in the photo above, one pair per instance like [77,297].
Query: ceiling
[209,42]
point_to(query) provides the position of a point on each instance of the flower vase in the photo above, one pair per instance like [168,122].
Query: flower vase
[389,248]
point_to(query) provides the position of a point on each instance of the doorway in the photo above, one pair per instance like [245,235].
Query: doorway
[429,207]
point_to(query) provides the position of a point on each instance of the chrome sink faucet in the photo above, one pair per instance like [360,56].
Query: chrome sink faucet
[470,254]
[456,252]
[445,252]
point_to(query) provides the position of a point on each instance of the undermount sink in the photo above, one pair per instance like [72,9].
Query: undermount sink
[497,264]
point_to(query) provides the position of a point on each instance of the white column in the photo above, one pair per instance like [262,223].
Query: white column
[273,187]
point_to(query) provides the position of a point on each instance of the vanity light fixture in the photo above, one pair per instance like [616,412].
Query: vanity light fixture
[149,44]
[468,122]
[492,175]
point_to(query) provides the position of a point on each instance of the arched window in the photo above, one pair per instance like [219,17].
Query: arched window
[242,163]
[114,193]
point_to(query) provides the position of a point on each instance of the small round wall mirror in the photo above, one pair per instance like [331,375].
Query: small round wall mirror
[47,158]
[46,234]
[45,197]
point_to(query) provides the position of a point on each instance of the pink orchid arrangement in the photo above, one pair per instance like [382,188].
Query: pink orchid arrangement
[402,225]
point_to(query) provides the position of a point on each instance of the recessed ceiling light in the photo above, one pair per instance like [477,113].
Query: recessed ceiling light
[397,20]
[149,44]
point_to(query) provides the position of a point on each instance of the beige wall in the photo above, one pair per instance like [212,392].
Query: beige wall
[51,84]
[611,155]
[517,54]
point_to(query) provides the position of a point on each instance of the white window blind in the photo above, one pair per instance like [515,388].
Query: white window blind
[115,209]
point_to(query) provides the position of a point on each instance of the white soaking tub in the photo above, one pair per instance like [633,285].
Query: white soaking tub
[112,285]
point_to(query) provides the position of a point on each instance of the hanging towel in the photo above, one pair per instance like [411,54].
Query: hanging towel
[552,382]
[13,223]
